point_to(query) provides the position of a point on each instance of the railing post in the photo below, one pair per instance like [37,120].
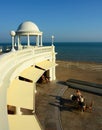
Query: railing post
[53,60]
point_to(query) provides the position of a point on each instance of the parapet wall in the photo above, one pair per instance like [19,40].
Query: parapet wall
[12,64]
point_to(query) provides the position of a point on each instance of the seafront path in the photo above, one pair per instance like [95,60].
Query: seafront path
[55,112]
[47,105]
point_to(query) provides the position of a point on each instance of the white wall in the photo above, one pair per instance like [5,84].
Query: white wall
[11,64]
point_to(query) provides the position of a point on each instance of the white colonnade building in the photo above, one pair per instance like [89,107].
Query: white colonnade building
[21,69]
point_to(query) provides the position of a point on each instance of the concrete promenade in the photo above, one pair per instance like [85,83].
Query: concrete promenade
[55,111]
[47,109]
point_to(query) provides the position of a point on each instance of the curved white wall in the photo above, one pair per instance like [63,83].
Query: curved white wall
[12,64]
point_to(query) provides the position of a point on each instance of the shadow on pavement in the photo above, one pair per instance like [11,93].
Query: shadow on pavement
[63,104]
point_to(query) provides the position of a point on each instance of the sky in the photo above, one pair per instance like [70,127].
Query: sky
[67,20]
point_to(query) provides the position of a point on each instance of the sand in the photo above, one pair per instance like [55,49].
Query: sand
[73,119]
[91,72]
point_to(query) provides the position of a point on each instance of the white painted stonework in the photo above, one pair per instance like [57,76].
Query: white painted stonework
[14,64]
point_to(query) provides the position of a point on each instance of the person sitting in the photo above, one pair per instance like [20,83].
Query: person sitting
[73,97]
[81,103]
[79,100]
[47,79]
[76,96]
[43,79]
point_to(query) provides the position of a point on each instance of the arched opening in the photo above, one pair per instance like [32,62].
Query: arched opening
[44,78]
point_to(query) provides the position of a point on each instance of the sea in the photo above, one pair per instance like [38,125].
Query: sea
[73,51]
[79,51]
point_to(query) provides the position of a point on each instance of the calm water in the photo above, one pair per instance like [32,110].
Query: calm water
[85,52]
[72,51]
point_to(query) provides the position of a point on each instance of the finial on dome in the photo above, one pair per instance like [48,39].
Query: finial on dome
[12,33]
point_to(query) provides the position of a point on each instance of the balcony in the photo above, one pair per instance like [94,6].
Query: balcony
[13,63]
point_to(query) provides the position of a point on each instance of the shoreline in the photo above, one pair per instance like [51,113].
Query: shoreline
[82,62]
[90,62]
[82,65]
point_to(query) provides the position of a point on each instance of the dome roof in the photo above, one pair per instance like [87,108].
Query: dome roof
[28,26]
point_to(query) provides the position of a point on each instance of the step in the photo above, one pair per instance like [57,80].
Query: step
[86,88]
[85,83]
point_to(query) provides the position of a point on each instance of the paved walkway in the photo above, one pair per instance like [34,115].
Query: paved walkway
[47,109]
[54,115]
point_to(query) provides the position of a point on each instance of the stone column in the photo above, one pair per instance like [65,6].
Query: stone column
[41,40]
[28,40]
[37,40]
[13,39]
[18,42]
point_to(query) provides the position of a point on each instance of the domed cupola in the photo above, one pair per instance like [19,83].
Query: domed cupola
[28,29]
[27,26]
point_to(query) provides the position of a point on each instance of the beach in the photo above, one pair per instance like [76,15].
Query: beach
[91,72]
[49,95]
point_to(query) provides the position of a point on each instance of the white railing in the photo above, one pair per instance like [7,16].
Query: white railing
[8,63]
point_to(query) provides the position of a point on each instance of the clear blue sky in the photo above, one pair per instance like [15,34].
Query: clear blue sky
[67,20]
